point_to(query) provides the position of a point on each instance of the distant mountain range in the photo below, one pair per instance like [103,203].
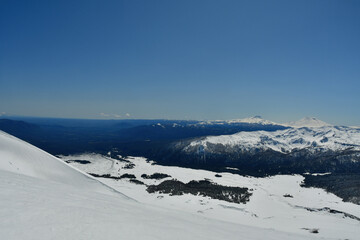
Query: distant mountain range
[304,122]
[293,150]
[250,146]
[251,120]
[65,136]
[254,145]
[323,138]
[307,122]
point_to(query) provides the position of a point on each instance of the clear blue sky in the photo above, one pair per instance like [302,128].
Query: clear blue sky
[181,59]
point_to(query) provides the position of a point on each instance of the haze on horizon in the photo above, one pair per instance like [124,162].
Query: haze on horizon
[198,60]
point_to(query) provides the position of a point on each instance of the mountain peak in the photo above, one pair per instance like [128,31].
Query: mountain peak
[255,120]
[308,122]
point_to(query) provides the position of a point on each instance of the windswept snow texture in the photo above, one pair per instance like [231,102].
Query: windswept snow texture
[42,198]
[321,138]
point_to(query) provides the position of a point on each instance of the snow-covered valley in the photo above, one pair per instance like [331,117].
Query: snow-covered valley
[277,202]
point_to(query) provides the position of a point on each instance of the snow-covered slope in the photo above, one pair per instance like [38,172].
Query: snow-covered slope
[42,198]
[321,138]
[307,122]
[22,158]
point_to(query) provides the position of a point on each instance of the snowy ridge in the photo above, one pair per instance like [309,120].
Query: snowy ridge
[321,138]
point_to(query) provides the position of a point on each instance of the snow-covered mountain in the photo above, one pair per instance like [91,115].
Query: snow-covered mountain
[43,198]
[304,122]
[250,120]
[259,153]
[319,138]
[307,122]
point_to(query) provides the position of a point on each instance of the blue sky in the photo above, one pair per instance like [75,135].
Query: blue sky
[181,59]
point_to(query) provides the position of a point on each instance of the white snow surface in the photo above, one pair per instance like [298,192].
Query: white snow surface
[22,158]
[43,198]
[316,138]
[267,208]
